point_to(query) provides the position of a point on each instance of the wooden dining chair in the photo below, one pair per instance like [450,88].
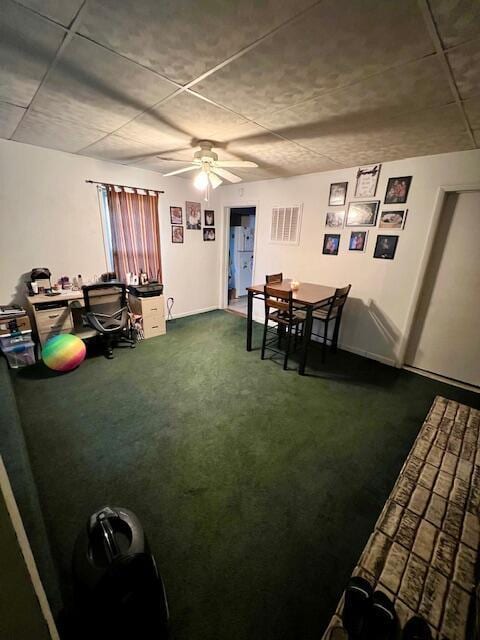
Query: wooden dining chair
[331,311]
[279,309]
[274,278]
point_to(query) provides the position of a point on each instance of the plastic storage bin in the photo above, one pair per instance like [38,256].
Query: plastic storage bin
[20,355]
[12,339]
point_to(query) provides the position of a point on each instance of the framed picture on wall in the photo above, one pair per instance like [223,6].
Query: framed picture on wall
[393,219]
[177,234]
[362,214]
[397,190]
[176,215]
[209,235]
[209,217]
[193,215]
[335,219]
[385,247]
[367,179]
[338,194]
[358,241]
[331,243]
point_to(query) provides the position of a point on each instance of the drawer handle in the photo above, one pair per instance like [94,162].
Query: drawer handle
[154,309]
[155,327]
[54,316]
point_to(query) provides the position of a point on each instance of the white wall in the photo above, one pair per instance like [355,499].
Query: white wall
[376,317]
[49,216]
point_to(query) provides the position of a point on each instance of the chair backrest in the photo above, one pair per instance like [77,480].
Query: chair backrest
[278,299]
[339,299]
[273,278]
[105,297]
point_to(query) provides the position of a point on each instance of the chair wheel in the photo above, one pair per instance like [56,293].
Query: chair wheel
[132,346]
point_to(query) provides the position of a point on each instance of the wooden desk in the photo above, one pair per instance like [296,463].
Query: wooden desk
[63,316]
[308,294]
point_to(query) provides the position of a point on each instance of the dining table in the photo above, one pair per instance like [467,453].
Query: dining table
[308,295]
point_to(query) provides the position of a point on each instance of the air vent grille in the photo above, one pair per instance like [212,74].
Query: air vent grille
[285,228]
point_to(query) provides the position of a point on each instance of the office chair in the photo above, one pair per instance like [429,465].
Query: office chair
[106,311]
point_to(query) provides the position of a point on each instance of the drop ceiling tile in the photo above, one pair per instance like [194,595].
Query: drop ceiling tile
[62,11]
[45,130]
[456,20]
[162,166]
[95,86]
[416,85]
[472,110]
[333,45]
[118,149]
[279,157]
[465,64]
[27,47]
[184,117]
[10,116]
[182,39]
[427,132]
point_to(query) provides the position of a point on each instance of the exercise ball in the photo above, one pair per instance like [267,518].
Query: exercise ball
[64,352]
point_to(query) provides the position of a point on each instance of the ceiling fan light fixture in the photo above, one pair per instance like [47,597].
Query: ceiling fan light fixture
[201,180]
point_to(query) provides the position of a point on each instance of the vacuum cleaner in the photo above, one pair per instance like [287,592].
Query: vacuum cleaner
[118,590]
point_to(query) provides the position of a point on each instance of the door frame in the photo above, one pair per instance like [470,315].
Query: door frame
[226,246]
[440,199]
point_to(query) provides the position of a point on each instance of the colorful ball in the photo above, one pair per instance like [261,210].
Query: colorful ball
[64,352]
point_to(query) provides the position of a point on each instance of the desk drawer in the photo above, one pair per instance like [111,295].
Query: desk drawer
[56,319]
[153,327]
[148,306]
[46,335]
[153,306]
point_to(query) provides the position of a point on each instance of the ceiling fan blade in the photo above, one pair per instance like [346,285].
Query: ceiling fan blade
[223,173]
[214,180]
[174,173]
[235,163]
[165,159]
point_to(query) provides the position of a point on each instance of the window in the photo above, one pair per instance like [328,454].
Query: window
[285,226]
[131,231]
[107,230]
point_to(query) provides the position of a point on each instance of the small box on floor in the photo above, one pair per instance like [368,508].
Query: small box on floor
[14,323]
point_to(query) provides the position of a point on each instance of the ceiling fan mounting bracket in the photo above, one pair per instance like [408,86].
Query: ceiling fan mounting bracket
[205,154]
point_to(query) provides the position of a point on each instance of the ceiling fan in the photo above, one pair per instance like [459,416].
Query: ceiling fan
[210,169]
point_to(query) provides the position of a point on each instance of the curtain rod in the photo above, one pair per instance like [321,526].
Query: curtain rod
[122,186]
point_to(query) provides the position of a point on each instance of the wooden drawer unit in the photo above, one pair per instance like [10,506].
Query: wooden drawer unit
[46,335]
[57,319]
[152,311]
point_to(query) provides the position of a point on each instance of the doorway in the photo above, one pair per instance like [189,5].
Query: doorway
[241,242]
[445,335]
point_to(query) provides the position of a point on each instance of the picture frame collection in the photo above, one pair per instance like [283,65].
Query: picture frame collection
[193,222]
[364,211]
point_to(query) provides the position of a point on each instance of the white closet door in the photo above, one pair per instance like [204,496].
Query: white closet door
[446,335]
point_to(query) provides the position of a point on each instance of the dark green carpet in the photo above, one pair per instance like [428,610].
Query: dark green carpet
[257,487]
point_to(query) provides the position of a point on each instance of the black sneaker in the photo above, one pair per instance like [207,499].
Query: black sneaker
[358,599]
[382,621]
[416,629]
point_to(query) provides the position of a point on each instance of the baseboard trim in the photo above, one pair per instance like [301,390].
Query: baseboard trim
[444,379]
[194,313]
[24,544]
[368,354]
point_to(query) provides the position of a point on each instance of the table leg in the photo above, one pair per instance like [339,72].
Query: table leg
[249,320]
[307,332]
